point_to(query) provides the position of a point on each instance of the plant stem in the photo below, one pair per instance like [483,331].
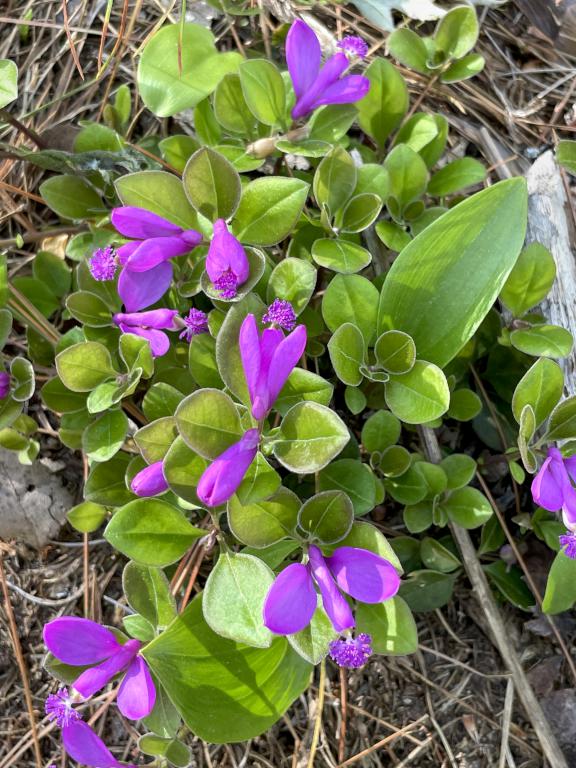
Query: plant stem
[318,721]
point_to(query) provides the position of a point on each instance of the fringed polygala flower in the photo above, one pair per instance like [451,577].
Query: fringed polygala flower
[568,543]
[314,84]
[226,262]
[151,326]
[4,385]
[552,487]
[150,481]
[195,323]
[221,479]
[353,46]
[147,271]
[103,264]
[280,314]
[81,642]
[267,360]
[351,652]
[291,600]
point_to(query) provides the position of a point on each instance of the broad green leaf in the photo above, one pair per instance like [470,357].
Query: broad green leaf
[395,352]
[546,340]
[327,517]
[355,479]
[23,381]
[310,436]
[183,469]
[408,488]
[105,436]
[510,582]
[420,395]
[178,149]
[332,122]
[230,106]
[293,280]
[209,422]
[457,32]
[151,532]
[437,557]
[456,176]
[418,131]
[72,197]
[164,719]
[380,431]
[202,361]
[303,385]
[147,591]
[86,517]
[381,111]
[560,592]
[260,482]
[53,271]
[394,461]
[468,507]
[530,279]
[225,692]
[392,235]
[179,67]
[334,180]
[159,192]
[234,597]
[211,184]
[465,405]
[408,177]
[8,82]
[340,255]
[313,642]
[541,387]
[269,209]
[459,469]
[474,237]
[37,294]
[562,424]
[427,590]
[566,155]
[347,351]
[106,483]
[359,213]
[136,353]
[263,90]
[409,48]
[155,439]
[390,625]
[262,523]
[418,517]
[89,309]
[82,367]
[161,400]
[351,299]
[464,68]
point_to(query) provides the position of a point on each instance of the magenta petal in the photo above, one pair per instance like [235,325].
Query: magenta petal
[95,678]
[86,747]
[137,694]
[125,251]
[303,56]
[226,253]
[153,318]
[291,601]
[262,401]
[329,74]
[154,251]
[79,641]
[363,575]
[141,224]
[349,89]
[335,605]
[221,479]
[159,341]
[150,481]
[249,342]
[139,290]
[286,356]
[546,490]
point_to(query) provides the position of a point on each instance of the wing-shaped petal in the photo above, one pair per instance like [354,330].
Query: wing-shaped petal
[335,604]
[137,694]
[546,490]
[303,56]
[95,678]
[86,747]
[363,575]
[345,91]
[328,75]
[285,359]
[291,601]
[154,251]
[79,641]
[139,290]
[221,479]
[131,221]
[249,342]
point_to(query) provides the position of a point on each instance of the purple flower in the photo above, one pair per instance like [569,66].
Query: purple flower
[80,741]
[150,481]
[353,46]
[80,642]
[281,314]
[268,360]
[196,323]
[291,600]
[147,271]
[568,542]
[552,487]
[220,480]
[352,652]
[103,264]
[314,84]
[4,385]
[148,325]
[226,262]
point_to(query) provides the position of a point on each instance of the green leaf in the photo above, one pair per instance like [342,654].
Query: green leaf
[71,197]
[179,67]
[293,280]
[560,592]
[159,192]
[437,557]
[234,597]
[459,469]
[474,237]
[160,400]
[456,176]
[340,255]
[359,213]
[492,536]
[548,340]
[136,353]
[86,517]
[530,279]
[164,719]
[230,106]
[457,32]
[155,439]
[566,155]
[418,131]
[262,523]
[427,590]
[264,90]
[83,366]
[225,692]
[390,625]
[418,517]
[510,582]
[104,437]
[395,352]
[37,294]
[211,184]
[310,436]
[347,351]
[8,82]
[381,111]
[183,469]
[89,309]
[334,180]
[151,532]
[351,299]
[464,68]
[106,482]
[202,361]
[269,209]
[53,272]
[23,381]
[147,591]
[177,149]
[327,517]
[465,405]
[303,385]
[380,431]
[468,508]
[209,422]
[332,122]
[408,176]
[420,395]
[260,482]
[541,387]
[562,424]
[409,48]
[392,235]
[355,479]
[394,461]
[312,643]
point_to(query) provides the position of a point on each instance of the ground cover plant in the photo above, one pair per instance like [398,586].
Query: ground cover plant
[249,337]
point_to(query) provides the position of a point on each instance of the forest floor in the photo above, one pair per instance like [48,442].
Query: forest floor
[452,704]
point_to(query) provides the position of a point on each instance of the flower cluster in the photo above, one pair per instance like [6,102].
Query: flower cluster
[552,489]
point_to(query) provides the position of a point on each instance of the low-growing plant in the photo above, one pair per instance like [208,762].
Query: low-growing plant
[261,318]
